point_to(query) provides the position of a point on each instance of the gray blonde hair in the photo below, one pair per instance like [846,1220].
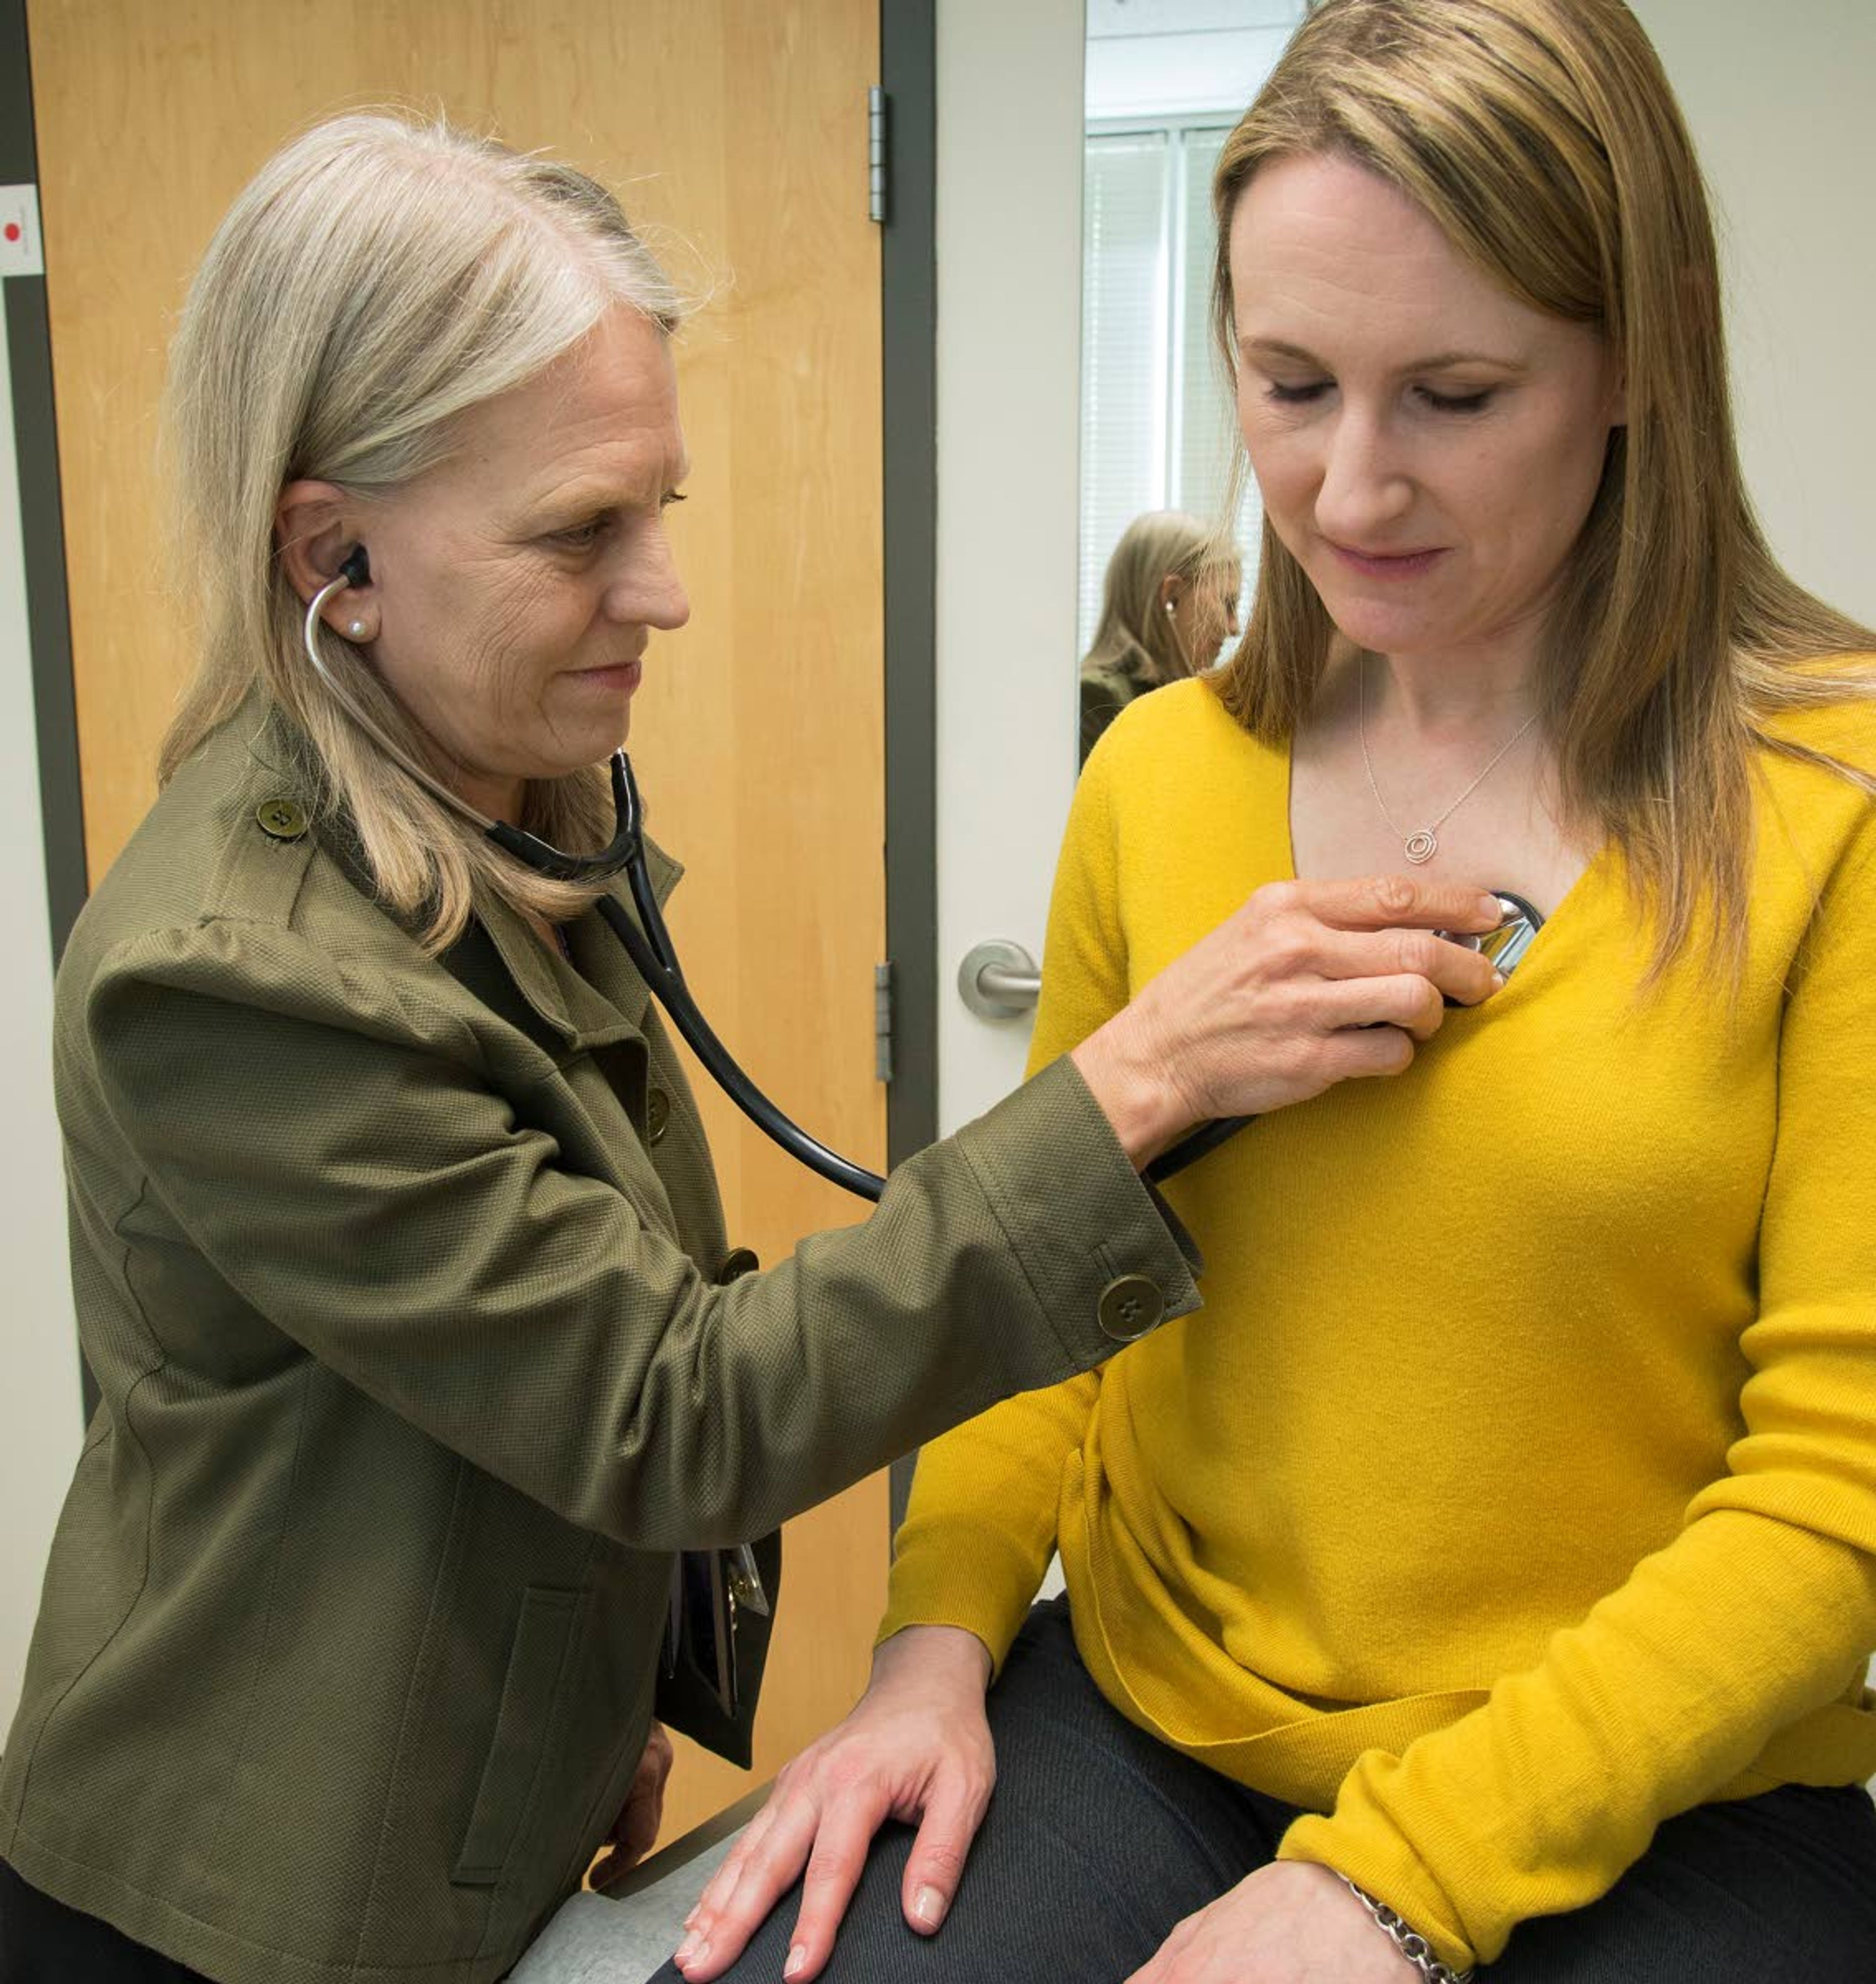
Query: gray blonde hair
[379,278]
[1133,635]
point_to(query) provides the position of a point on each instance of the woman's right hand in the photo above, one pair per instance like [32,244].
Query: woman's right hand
[1308,984]
[916,1747]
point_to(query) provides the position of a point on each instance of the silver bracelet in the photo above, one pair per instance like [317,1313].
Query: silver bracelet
[1411,1944]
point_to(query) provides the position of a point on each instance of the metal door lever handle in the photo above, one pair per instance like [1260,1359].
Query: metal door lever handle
[999,980]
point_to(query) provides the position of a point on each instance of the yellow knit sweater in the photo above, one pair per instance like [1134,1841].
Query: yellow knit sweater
[1515,1487]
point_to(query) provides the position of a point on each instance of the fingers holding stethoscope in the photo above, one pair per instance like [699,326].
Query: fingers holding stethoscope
[1308,984]
[1404,1003]
[1463,977]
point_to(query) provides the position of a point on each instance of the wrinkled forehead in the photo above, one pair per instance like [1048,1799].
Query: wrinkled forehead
[600,422]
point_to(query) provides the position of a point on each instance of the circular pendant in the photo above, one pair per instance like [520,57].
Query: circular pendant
[1422,847]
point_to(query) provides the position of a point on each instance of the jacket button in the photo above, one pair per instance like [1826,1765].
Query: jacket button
[280,819]
[738,1261]
[1129,1307]
[656,1116]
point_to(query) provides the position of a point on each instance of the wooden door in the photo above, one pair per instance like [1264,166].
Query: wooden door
[734,131]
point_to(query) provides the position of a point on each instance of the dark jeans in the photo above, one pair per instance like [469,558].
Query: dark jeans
[43,1942]
[1099,1840]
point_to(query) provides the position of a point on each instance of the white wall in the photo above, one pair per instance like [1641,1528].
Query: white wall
[40,1409]
[1778,101]
[1009,366]
[1176,74]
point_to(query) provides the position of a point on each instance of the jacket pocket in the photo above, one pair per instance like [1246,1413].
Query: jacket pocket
[523,1726]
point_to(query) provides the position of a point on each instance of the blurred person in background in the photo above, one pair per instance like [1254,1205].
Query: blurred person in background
[1169,601]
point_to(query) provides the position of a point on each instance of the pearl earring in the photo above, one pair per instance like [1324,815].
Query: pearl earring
[355,628]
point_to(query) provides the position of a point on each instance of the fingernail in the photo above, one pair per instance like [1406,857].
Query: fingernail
[1498,981]
[928,1907]
[1509,911]
[1494,906]
[797,1957]
[692,1947]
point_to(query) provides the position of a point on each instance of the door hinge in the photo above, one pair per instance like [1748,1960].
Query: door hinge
[883,1022]
[875,154]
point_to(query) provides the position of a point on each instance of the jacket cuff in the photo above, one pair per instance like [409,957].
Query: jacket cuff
[1105,1257]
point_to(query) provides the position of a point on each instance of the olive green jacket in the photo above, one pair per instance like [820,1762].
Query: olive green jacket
[1106,691]
[398,1277]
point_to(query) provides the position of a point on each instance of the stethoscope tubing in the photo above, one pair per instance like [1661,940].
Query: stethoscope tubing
[1196,1144]
[647,942]
[666,981]
[650,948]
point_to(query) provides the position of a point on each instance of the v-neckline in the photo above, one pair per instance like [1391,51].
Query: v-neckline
[1569,905]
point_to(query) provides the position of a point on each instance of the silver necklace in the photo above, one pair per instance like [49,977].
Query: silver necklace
[1420,847]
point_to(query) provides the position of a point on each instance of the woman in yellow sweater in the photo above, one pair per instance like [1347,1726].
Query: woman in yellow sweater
[1491,1580]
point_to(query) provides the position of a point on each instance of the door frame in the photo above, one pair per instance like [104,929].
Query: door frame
[28,344]
[48,1394]
[909,414]
[909,496]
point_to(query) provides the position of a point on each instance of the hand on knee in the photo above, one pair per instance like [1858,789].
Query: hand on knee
[916,1748]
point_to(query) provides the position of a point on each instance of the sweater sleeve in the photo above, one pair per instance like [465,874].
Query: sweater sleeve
[980,1529]
[1763,1607]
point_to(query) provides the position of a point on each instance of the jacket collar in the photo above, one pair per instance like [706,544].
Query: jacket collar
[597,997]
[602,1000]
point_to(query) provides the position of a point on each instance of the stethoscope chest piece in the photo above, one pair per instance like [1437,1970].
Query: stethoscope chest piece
[1506,943]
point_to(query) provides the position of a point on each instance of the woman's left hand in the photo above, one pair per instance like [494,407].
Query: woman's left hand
[1292,1922]
[636,1827]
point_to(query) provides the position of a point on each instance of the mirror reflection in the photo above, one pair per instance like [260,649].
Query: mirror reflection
[1169,599]
[1166,550]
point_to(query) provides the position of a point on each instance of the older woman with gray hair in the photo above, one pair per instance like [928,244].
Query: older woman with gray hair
[398,1255]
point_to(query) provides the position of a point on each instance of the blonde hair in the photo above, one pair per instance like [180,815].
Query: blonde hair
[378,279]
[1133,635]
[1543,139]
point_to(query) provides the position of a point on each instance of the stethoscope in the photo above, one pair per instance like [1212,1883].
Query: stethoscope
[649,944]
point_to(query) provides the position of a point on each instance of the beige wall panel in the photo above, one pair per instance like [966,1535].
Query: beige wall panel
[735,132]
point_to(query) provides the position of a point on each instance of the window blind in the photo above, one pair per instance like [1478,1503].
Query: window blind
[1158,429]
[1126,306]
